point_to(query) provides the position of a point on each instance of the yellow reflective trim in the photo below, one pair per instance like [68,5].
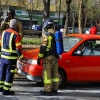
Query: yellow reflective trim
[18,44]
[8,23]
[46,81]
[8,84]
[13,51]
[1,86]
[49,42]
[6,88]
[2,38]
[12,71]
[20,34]
[7,57]
[47,49]
[16,71]
[21,56]
[10,42]
[40,55]
[55,79]
[1,82]
[45,75]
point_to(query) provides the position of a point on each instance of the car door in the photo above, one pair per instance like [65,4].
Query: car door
[85,67]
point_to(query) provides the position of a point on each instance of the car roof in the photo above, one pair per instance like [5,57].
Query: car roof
[85,36]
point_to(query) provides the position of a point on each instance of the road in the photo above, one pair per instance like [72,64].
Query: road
[28,90]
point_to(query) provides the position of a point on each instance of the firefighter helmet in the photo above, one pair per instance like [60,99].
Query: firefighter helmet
[48,24]
[11,11]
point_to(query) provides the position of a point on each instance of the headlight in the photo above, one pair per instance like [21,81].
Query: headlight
[32,61]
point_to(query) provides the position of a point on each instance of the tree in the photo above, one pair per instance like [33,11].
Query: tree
[80,18]
[31,6]
[46,11]
[68,2]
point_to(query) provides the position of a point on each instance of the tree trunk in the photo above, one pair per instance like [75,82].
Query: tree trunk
[67,16]
[80,18]
[30,16]
[46,12]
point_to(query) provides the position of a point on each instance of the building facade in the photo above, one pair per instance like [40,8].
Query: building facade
[22,8]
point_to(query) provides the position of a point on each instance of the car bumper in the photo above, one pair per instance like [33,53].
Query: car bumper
[30,71]
[30,77]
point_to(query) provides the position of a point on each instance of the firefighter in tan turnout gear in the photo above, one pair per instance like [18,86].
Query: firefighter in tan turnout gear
[50,59]
[5,23]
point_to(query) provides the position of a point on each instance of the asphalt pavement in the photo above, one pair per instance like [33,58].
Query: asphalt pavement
[28,90]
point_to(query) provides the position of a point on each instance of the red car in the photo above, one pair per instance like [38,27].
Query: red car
[80,61]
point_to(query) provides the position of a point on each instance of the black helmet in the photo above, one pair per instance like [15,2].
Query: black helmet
[48,24]
[11,11]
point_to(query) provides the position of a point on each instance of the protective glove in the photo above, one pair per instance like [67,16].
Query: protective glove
[38,61]
[24,60]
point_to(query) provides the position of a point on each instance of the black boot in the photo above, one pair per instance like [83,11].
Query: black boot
[54,92]
[8,92]
[45,93]
[1,89]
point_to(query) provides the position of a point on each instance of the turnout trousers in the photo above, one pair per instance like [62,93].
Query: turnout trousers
[6,75]
[50,73]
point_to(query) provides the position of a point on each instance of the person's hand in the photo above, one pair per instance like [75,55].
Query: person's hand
[24,60]
[38,61]
[60,56]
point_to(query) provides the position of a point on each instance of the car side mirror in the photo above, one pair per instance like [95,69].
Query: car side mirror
[78,53]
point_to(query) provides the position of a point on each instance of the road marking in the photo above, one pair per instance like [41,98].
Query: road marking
[82,91]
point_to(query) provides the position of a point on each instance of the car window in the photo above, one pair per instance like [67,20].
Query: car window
[96,49]
[91,47]
[69,42]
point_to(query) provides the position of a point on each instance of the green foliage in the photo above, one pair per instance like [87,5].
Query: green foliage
[31,41]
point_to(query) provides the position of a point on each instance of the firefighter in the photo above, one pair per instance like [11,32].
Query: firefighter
[11,50]
[50,59]
[5,23]
[94,30]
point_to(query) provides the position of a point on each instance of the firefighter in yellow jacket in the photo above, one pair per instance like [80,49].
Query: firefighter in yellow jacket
[50,59]
[11,50]
[5,23]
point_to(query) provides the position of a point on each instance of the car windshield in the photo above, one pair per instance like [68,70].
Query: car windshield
[69,42]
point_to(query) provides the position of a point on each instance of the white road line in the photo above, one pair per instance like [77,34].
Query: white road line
[81,91]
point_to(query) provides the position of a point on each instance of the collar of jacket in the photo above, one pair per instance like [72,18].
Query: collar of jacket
[12,28]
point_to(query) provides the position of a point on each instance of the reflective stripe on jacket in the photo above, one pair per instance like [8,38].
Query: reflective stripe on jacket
[9,43]
[45,48]
[49,48]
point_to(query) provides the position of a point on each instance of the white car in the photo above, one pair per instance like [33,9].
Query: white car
[86,30]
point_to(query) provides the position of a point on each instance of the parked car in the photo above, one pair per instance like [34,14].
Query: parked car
[25,27]
[80,61]
[86,30]
[70,29]
[37,27]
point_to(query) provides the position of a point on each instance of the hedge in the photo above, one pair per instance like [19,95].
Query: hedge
[31,41]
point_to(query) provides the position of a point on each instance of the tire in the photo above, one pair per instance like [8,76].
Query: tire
[62,77]
[40,84]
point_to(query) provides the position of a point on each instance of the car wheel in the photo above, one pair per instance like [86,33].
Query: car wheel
[40,83]
[62,77]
